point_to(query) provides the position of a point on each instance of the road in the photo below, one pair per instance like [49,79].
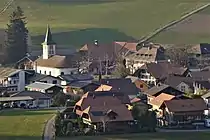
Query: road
[194,130]
[49,130]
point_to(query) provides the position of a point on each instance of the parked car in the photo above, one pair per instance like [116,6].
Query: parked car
[6,105]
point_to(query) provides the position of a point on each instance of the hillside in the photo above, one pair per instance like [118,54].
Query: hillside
[78,22]
[193,30]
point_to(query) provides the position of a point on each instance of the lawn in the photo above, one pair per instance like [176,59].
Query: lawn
[75,22]
[23,125]
[193,30]
[149,136]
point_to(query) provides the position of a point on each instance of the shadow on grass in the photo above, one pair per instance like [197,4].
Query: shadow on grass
[78,38]
[23,113]
[20,137]
[79,2]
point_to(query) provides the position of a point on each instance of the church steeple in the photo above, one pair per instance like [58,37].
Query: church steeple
[49,46]
[48,37]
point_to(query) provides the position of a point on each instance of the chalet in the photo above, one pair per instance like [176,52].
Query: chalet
[162,88]
[153,73]
[183,111]
[103,56]
[148,54]
[26,63]
[98,108]
[122,85]
[141,85]
[200,54]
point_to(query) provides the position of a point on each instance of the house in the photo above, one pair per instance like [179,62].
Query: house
[139,83]
[96,109]
[121,85]
[39,99]
[26,63]
[12,79]
[201,75]
[103,56]
[37,77]
[162,88]
[52,64]
[156,102]
[184,84]
[153,73]
[183,111]
[150,53]
[206,98]
[201,87]
[49,89]
[200,54]
[76,83]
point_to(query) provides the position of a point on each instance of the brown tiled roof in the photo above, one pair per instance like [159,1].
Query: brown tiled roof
[156,89]
[98,113]
[160,99]
[132,46]
[122,85]
[57,61]
[134,100]
[103,97]
[161,70]
[186,105]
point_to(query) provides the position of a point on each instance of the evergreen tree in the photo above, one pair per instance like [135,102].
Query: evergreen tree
[17,34]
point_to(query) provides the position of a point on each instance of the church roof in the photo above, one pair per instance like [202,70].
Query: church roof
[57,61]
[48,37]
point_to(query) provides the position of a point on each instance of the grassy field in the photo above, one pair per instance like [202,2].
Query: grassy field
[23,125]
[193,30]
[75,22]
[152,136]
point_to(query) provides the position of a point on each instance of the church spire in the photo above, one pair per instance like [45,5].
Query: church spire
[48,37]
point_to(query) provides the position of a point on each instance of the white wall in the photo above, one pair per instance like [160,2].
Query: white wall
[44,103]
[55,71]
[21,83]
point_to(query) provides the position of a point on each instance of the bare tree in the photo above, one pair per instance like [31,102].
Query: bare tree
[104,120]
[179,55]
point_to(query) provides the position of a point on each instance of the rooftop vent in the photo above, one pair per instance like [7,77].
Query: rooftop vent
[96,42]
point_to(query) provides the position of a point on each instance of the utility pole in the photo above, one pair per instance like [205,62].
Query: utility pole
[106,60]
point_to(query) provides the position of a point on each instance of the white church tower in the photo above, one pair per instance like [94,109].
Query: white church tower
[49,46]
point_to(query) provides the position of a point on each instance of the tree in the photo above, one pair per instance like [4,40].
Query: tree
[17,35]
[179,55]
[120,69]
[60,99]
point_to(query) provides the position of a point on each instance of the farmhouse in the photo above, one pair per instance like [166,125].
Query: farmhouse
[147,54]
[183,111]
[153,73]
[97,108]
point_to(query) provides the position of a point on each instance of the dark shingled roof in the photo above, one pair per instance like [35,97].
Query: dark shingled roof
[121,85]
[186,105]
[161,70]
[32,94]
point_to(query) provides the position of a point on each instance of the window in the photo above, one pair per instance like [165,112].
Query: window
[182,88]
[62,73]
[14,82]
[10,82]
[45,72]
[141,86]
[51,50]
[49,72]
[40,102]
[54,82]
[40,71]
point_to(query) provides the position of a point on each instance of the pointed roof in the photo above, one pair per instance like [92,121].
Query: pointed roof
[48,37]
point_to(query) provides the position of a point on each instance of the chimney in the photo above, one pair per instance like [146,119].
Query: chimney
[104,103]
[96,42]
